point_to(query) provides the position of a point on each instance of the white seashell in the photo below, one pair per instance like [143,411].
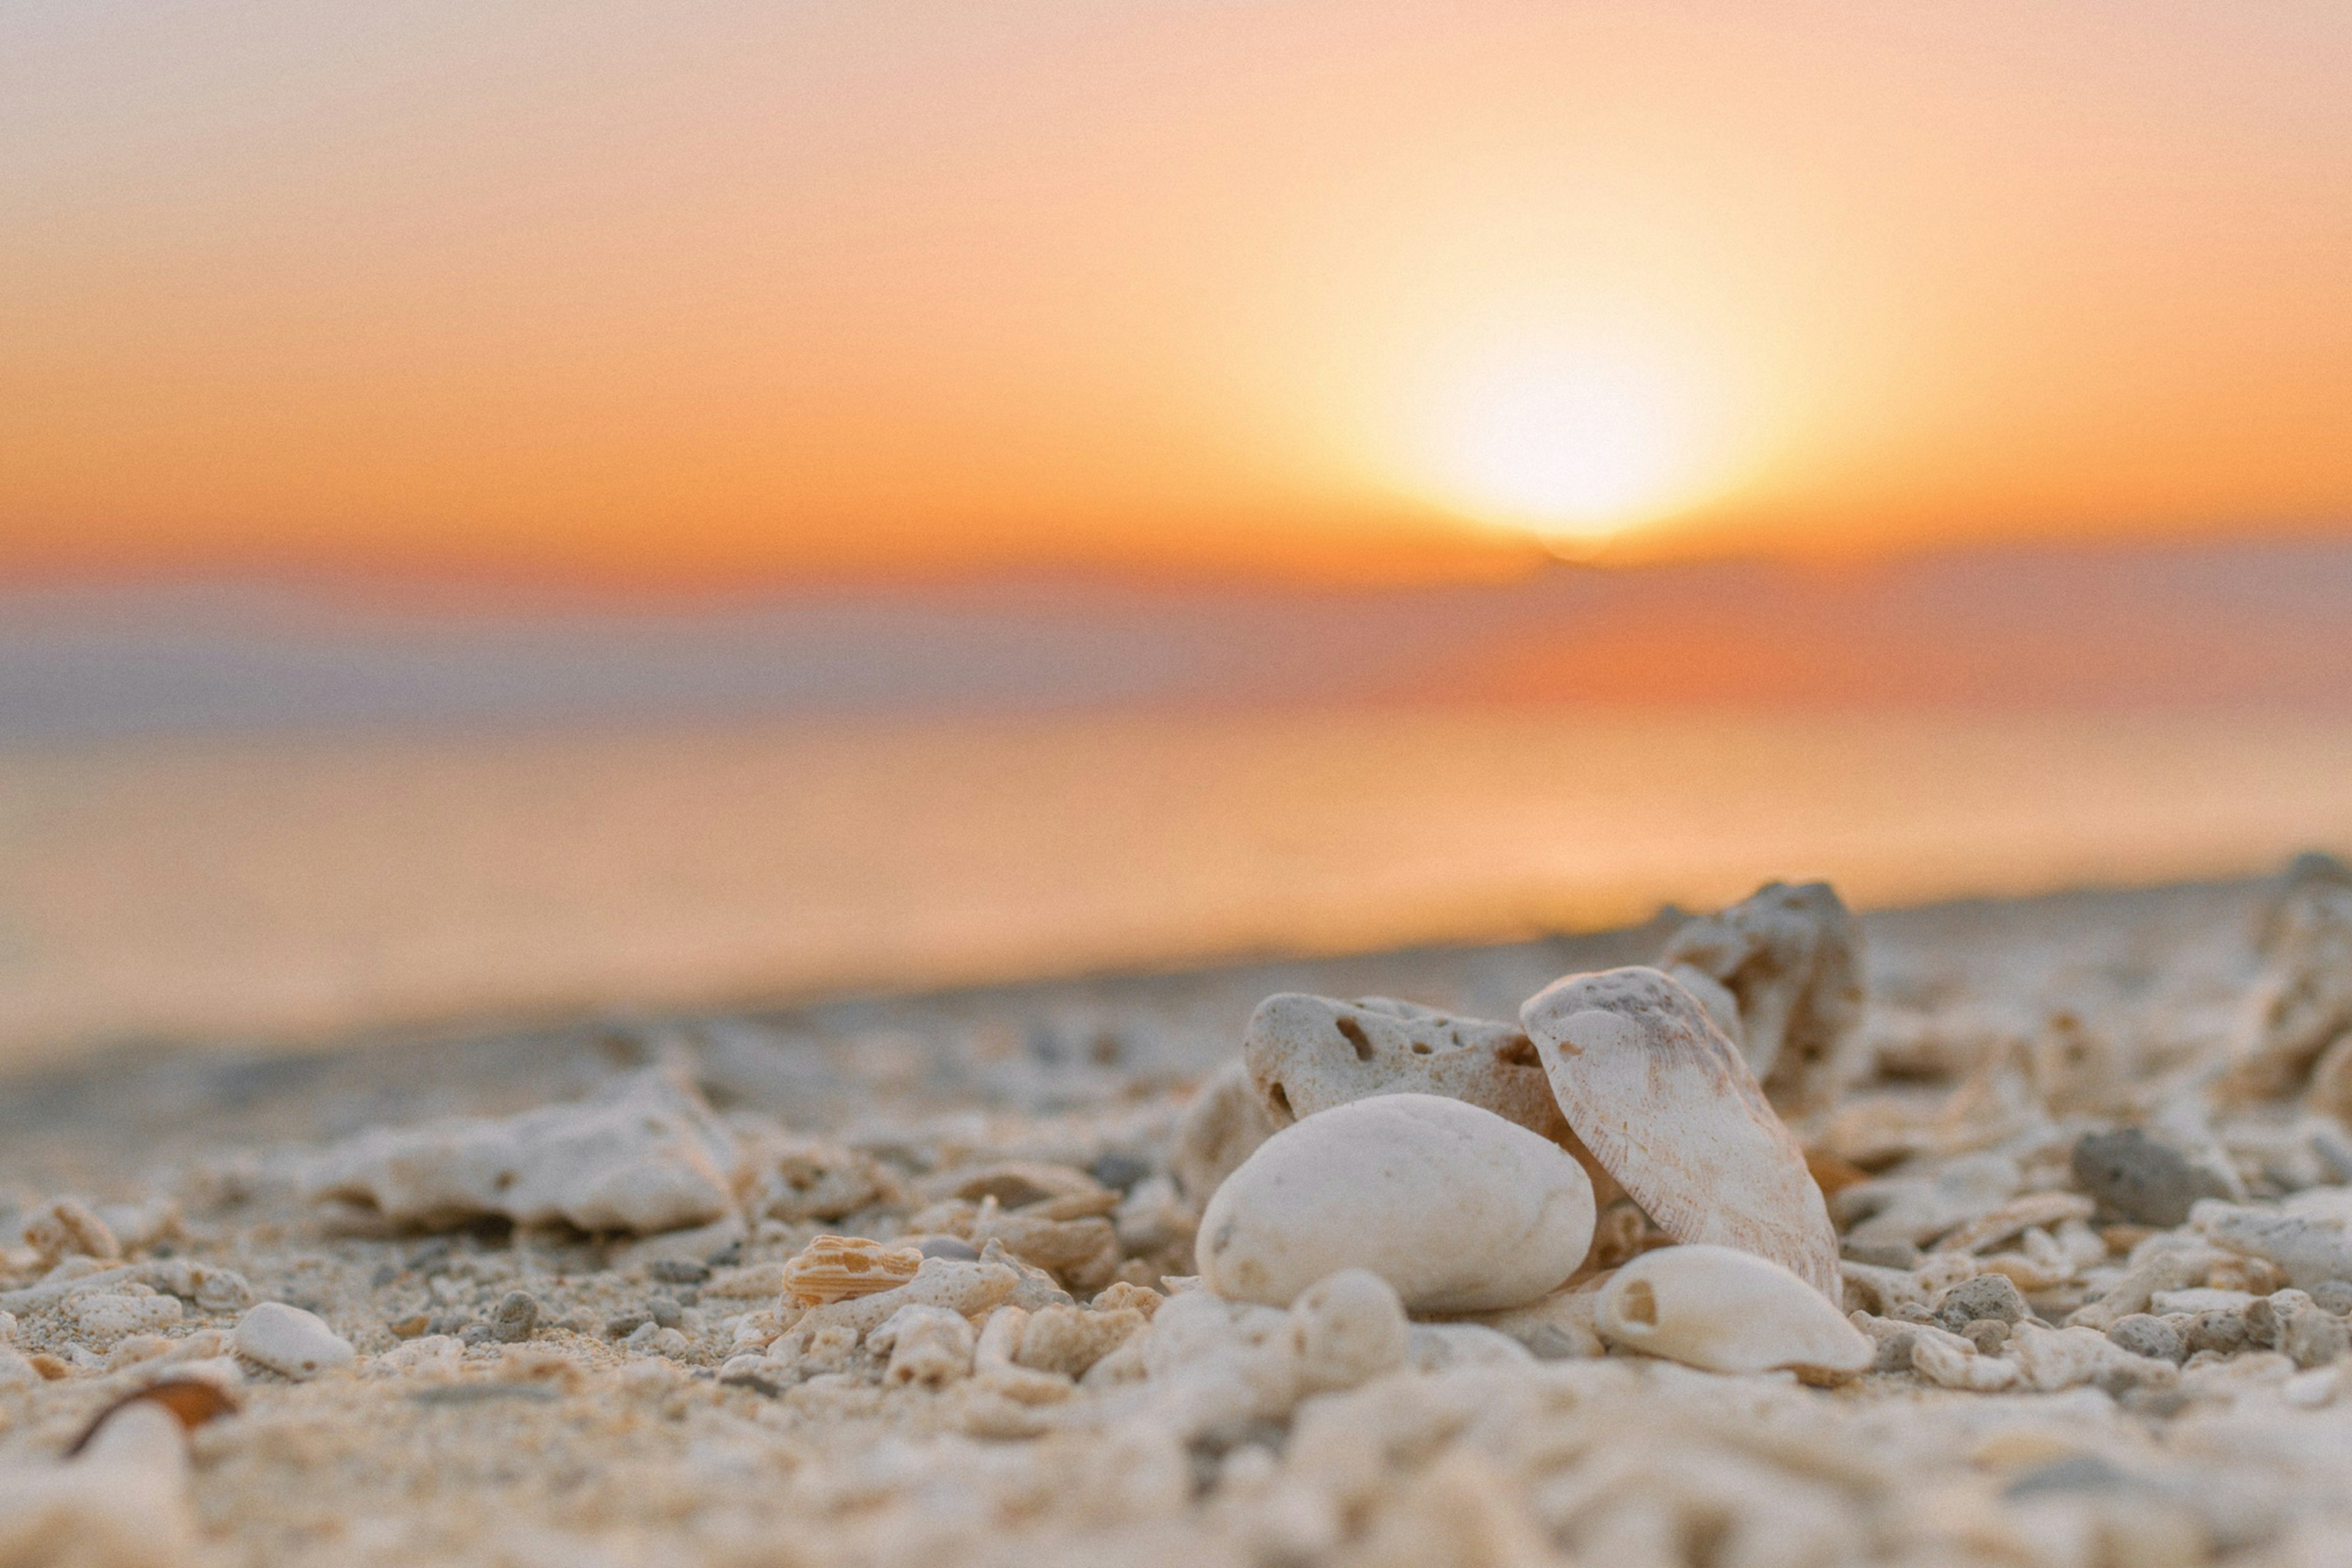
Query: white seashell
[645,1155]
[1725,1310]
[1456,1208]
[1307,1053]
[1663,1100]
[1790,957]
[290,1342]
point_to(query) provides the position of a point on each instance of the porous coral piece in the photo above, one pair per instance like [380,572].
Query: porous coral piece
[837,1268]
[1069,1340]
[809,1180]
[2301,1003]
[1223,1126]
[1790,957]
[67,1227]
[1668,1106]
[927,1345]
[1307,1054]
[646,1154]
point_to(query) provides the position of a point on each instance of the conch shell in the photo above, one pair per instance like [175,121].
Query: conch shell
[1664,1102]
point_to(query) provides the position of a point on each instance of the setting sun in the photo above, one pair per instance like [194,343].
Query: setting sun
[1573,442]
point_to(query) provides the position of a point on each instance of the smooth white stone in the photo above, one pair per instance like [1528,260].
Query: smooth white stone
[1458,1209]
[290,1342]
[1724,1310]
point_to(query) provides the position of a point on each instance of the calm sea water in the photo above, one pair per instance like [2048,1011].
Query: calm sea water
[205,887]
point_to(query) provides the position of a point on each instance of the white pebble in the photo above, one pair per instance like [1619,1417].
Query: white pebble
[1352,1328]
[1458,1209]
[290,1342]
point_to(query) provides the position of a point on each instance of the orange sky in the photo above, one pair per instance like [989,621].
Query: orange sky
[1362,288]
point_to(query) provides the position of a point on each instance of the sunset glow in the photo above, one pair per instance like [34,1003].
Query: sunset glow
[1325,290]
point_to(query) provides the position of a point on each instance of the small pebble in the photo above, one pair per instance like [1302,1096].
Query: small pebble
[2144,1181]
[620,1325]
[2311,1337]
[2222,1332]
[2333,1296]
[677,1271]
[290,1342]
[948,1247]
[665,1312]
[2144,1335]
[1986,1295]
[1880,1253]
[1118,1170]
[1894,1353]
[475,1334]
[1987,1334]
[514,1318]
[409,1327]
[384,1274]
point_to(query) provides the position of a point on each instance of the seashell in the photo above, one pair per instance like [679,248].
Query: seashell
[1306,1054]
[1790,957]
[1668,1105]
[838,1267]
[1725,1310]
[1456,1208]
[290,1342]
[2043,1209]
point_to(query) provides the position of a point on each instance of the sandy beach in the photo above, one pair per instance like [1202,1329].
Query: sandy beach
[541,1392]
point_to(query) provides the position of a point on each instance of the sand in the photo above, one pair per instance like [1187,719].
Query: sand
[625,1430]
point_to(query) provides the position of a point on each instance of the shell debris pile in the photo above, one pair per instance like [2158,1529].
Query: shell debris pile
[2014,1235]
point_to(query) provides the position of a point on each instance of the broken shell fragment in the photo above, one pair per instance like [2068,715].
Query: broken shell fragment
[1456,1208]
[837,1268]
[1666,1104]
[1725,1310]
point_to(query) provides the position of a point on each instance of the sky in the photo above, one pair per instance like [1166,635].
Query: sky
[732,291]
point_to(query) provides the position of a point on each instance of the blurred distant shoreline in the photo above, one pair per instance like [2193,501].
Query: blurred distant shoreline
[2233,625]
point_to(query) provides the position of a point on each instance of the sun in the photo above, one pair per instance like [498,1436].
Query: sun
[1572,443]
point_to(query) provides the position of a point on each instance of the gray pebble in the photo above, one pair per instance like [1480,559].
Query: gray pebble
[2143,1334]
[1989,1335]
[1894,1353]
[445,1323]
[475,1333]
[948,1247]
[665,1312]
[2333,1296]
[2139,1179]
[1986,1295]
[2312,1338]
[1880,1253]
[677,1271]
[515,1316]
[384,1274]
[1118,1169]
[620,1325]
[2222,1332]
[2261,1319]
